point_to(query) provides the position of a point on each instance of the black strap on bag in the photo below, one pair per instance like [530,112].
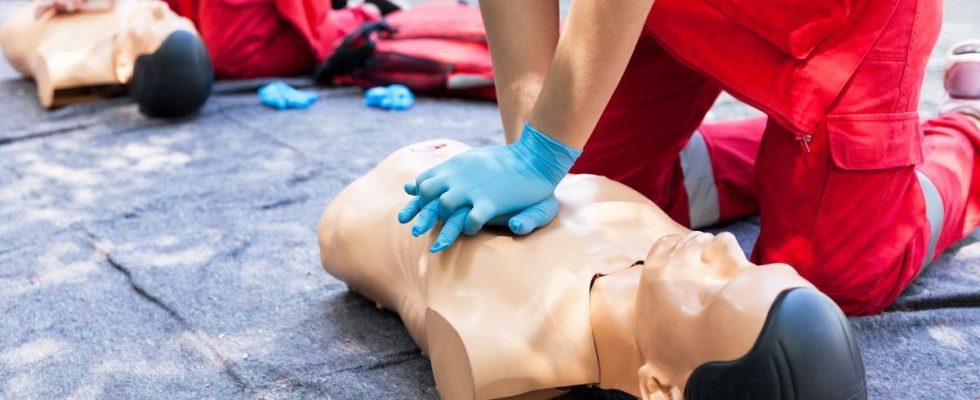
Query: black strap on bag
[352,53]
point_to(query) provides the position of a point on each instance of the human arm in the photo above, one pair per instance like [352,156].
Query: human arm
[522,35]
[472,188]
[592,54]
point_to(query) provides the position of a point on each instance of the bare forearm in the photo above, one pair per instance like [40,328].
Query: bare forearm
[522,35]
[593,51]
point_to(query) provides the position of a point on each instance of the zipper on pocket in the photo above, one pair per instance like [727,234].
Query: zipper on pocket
[805,142]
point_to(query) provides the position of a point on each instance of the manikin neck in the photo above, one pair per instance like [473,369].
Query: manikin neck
[613,312]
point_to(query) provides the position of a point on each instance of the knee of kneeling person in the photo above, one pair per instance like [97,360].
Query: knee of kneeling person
[856,294]
[856,304]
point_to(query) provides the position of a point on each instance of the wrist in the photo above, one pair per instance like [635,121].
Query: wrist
[548,156]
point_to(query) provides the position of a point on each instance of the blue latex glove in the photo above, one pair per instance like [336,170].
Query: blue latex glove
[514,183]
[281,96]
[391,97]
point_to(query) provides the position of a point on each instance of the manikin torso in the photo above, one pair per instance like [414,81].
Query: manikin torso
[90,48]
[502,315]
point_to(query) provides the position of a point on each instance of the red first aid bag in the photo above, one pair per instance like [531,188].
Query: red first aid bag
[436,48]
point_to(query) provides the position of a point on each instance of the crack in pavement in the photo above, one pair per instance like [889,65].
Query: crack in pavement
[204,340]
[285,378]
[58,130]
[387,360]
[302,177]
[285,202]
[963,300]
[140,291]
[268,137]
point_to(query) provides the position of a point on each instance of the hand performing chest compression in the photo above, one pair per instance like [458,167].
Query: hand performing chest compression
[507,184]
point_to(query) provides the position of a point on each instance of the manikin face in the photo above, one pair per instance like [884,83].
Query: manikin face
[147,26]
[700,300]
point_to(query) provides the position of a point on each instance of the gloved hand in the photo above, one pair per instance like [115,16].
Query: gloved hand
[281,96]
[513,183]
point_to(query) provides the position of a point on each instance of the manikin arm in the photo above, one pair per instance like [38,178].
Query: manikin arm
[71,6]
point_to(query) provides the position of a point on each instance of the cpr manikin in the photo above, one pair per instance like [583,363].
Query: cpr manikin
[142,44]
[612,292]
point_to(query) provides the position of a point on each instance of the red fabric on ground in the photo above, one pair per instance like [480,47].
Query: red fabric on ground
[845,209]
[439,48]
[252,38]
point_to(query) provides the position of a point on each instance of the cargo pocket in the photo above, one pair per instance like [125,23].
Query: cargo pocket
[795,26]
[862,219]
[874,141]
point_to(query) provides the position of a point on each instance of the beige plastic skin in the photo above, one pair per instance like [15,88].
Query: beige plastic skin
[695,300]
[84,49]
[502,316]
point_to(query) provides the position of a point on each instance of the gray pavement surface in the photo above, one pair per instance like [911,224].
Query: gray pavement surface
[152,259]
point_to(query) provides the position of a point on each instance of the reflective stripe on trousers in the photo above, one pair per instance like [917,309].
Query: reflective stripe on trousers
[934,213]
[699,180]
[702,193]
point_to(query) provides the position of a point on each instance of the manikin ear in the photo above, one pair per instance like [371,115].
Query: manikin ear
[651,388]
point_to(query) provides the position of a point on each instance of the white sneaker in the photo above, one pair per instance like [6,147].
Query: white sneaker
[962,79]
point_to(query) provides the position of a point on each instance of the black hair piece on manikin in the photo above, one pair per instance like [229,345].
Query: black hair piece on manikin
[806,351]
[175,80]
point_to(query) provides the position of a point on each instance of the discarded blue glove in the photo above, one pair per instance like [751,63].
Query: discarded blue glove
[515,181]
[391,97]
[281,96]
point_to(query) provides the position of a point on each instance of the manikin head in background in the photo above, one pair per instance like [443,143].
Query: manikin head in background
[142,44]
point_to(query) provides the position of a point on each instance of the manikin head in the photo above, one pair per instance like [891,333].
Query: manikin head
[706,314]
[83,55]
[164,61]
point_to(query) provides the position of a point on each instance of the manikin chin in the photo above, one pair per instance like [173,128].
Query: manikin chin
[612,293]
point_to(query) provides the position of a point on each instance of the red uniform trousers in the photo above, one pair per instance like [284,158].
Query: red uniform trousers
[252,38]
[836,172]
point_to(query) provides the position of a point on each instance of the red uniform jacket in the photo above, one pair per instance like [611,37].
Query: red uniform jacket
[790,58]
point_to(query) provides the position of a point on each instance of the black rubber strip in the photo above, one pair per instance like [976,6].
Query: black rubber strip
[806,351]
